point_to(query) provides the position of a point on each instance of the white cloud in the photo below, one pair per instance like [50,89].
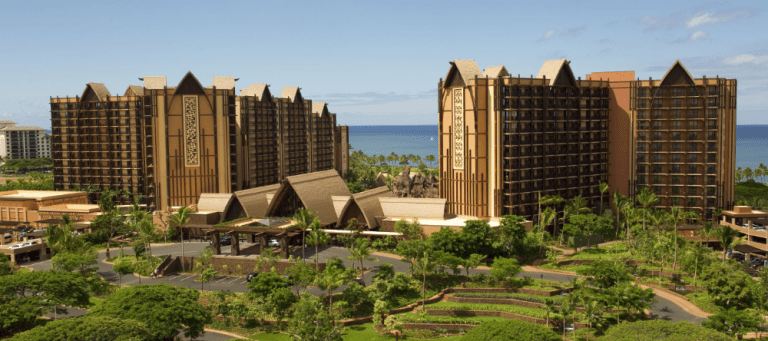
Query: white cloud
[548,35]
[698,35]
[746,58]
[573,31]
[712,18]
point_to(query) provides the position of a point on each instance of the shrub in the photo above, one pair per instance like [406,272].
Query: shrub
[510,330]
[662,330]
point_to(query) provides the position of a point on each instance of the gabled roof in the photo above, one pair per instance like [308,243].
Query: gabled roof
[464,69]
[254,200]
[677,74]
[319,108]
[260,91]
[134,90]
[189,85]
[558,72]
[99,90]
[214,202]
[224,82]
[495,71]
[291,92]
[368,203]
[315,190]
[418,208]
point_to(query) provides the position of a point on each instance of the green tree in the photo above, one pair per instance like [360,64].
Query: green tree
[728,286]
[411,250]
[620,203]
[747,173]
[503,268]
[305,219]
[734,321]
[361,251]
[279,303]
[27,295]
[330,279]
[122,267]
[675,218]
[739,174]
[360,302]
[424,266]
[646,198]
[208,274]
[510,235]
[151,304]
[71,261]
[179,220]
[727,237]
[603,188]
[311,322]
[566,310]
[302,275]
[592,311]
[694,259]
[473,261]
[385,273]
[505,330]
[447,240]
[659,329]
[430,159]
[604,274]
[549,307]
[88,328]
[316,238]
[410,231]
[477,236]
[266,282]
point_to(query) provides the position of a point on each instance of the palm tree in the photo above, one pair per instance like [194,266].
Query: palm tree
[568,212]
[727,237]
[549,200]
[675,216]
[318,237]
[147,233]
[758,172]
[304,220]
[550,307]
[566,308]
[361,250]
[330,279]
[657,219]
[179,219]
[430,159]
[739,174]
[603,187]
[591,309]
[548,218]
[747,173]
[424,265]
[619,202]
[646,198]
[579,204]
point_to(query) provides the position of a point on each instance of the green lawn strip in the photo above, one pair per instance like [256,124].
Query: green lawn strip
[703,301]
[509,295]
[515,309]
[364,332]
[418,318]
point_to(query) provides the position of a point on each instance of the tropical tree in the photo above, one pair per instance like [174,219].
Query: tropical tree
[361,251]
[316,238]
[566,309]
[424,265]
[603,187]
[550,307]
[727,237]
[549,200]
[305,219]
[430,159]
[747,173]
[646,198]
[592,309]
[739,174]
[675,217]
[620,202]
[147,233]
[122,267]
[179,219]
[330,279]
[758,173]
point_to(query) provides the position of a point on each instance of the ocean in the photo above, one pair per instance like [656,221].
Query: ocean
[751,141]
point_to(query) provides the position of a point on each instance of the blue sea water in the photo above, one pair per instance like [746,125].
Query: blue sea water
[751,141]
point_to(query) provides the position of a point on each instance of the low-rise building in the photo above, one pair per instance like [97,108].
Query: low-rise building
[23,142]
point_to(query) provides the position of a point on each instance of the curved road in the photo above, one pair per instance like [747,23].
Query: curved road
[663,308]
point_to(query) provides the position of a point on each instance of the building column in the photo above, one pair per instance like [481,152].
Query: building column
[253,238]
[284,246]
[235,248]
[216,243]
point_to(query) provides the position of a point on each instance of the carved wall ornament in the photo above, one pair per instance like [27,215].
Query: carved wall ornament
[191,132]
[458,128]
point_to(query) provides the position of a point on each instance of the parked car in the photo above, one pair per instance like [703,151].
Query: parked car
[739,257]
[25,244]
[226,240]
[273,243]
[756,262]
[17,246]
[251,276]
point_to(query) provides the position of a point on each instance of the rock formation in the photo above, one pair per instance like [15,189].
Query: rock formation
[414,185]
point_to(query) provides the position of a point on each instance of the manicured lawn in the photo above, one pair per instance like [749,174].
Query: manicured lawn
[362,332]
[515,309]
[703,301]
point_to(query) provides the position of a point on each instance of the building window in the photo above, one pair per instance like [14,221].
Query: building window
[642,92]
[693,190]
[692,180]
[641,157]
[677,113]
[641,179]
[710,191]
[677,102]
[692,135]
[675,124]
[693,124]
[657,125]
[675,179]
[713,90]
[675,190]
[711,157]
[657,168]
[641,136]
[712,135]
[657,190]
[693,113]
[658,103]
[677,146]
[712,101]
[656,157]
[657,146]
[693,169]
[677,135]
[677,92]
[657,135]
[693,146]
[642,114]
[657,179]
[641,103]
[693,102]
[658,114]
[712,113]
[641,147]
[674,201]
[692,202]
[676,157]
[693,157]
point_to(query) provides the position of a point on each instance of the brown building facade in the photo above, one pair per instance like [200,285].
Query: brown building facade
[505,141]
[173,143]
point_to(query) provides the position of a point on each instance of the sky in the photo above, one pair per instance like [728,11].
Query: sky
[373,62]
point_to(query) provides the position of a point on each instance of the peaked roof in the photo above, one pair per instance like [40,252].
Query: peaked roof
[467,69]
[189,85]
[224,82]
[315,190]
[291,92]
[495,71]
[214,202]
[319,108]
[256,90]
[369,205]
[134,90]
[677,74]
[553,70]
[98,89]
[254,200]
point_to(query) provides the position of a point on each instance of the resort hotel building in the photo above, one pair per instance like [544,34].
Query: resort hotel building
[173,143]
[507,140]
